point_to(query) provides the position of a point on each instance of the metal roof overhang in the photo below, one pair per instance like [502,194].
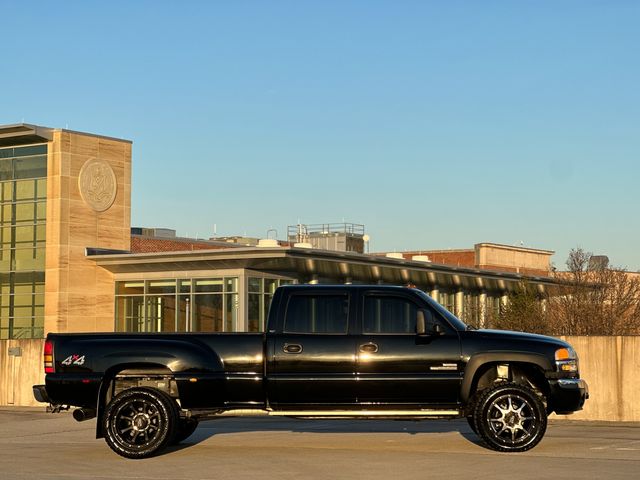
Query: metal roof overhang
[323,263]
[23,134]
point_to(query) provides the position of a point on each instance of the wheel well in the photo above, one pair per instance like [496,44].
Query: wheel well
[123,377]
[520,373]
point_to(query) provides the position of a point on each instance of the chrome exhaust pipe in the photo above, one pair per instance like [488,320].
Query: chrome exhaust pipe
[82,414]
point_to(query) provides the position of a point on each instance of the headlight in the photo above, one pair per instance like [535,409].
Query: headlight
[567,360]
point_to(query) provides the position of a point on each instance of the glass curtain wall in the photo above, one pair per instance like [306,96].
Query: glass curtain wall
[261,292]
[172,305]
[23,196]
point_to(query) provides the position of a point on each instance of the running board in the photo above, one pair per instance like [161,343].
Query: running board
[339,413]
[365,413]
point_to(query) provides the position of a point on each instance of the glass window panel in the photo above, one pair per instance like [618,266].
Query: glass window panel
[317,314]
[184,310]
[161,313]
[130,314]
[270,285]
[389,315]
[254,313]
[41,233]
[22,311]
[231,312]
[7,213]
[163,286]
[30,167]
[6,152]
[6,189]
[129,288]
[255,285]
[6,168]
[185,286]
[30,150]
[25,234]
[25,212]
[266,304]
[22,322]
[207,313]
[23,300]
[25,190]
[231,284]
[41,188]
[5,236]
[41,210]
[38,328]
[209,285]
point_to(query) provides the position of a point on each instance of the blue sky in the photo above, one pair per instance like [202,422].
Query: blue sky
[436,124]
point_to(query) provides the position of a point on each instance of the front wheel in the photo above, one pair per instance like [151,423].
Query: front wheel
[510,417]
[140,422]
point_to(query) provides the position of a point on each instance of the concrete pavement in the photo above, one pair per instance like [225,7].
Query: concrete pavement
[34,444]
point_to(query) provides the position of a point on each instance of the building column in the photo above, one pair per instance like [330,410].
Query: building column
[243,302]
[504,300]
[482,301]
[459,302]
[435,293]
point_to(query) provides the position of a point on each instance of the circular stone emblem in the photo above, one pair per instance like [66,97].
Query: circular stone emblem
[98,185]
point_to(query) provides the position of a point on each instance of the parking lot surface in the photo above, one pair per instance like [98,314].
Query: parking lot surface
[34,444]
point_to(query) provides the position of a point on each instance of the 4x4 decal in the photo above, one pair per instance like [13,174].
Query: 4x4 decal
[73,360]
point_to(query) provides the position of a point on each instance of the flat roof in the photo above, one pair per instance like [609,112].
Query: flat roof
[293,261]
[27,133]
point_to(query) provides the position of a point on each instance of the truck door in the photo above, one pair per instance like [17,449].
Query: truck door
[396,366]
[311,356]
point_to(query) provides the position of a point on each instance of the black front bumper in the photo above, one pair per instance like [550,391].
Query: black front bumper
[568,395]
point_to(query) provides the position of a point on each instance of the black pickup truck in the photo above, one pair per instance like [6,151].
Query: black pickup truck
[344,351]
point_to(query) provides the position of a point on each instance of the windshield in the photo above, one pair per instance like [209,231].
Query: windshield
[451,318]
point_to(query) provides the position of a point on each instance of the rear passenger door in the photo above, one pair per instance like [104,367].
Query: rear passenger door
[312,357]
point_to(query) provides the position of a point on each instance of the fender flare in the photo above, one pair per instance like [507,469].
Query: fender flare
[477,361]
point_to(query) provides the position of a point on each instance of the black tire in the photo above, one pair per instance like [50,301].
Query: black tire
[472,424]
[510,417]
[140,422]
[185,429]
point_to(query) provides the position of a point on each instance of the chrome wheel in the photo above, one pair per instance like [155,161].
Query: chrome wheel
[510,417]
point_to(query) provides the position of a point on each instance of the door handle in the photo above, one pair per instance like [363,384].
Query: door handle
[292,348]
[369,348]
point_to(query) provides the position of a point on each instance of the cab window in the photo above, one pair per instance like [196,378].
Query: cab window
[385,314]
[317,314]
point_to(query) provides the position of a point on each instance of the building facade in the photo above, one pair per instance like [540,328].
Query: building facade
[61,191]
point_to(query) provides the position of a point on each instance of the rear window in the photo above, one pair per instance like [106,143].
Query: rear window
[317,314]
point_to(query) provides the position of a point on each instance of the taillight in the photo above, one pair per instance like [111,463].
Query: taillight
[48,357]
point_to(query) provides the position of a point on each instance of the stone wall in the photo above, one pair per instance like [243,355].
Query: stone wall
[611,366]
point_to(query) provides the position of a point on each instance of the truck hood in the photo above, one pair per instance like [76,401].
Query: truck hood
[519,336]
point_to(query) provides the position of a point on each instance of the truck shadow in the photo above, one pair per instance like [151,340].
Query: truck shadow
[211,428]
